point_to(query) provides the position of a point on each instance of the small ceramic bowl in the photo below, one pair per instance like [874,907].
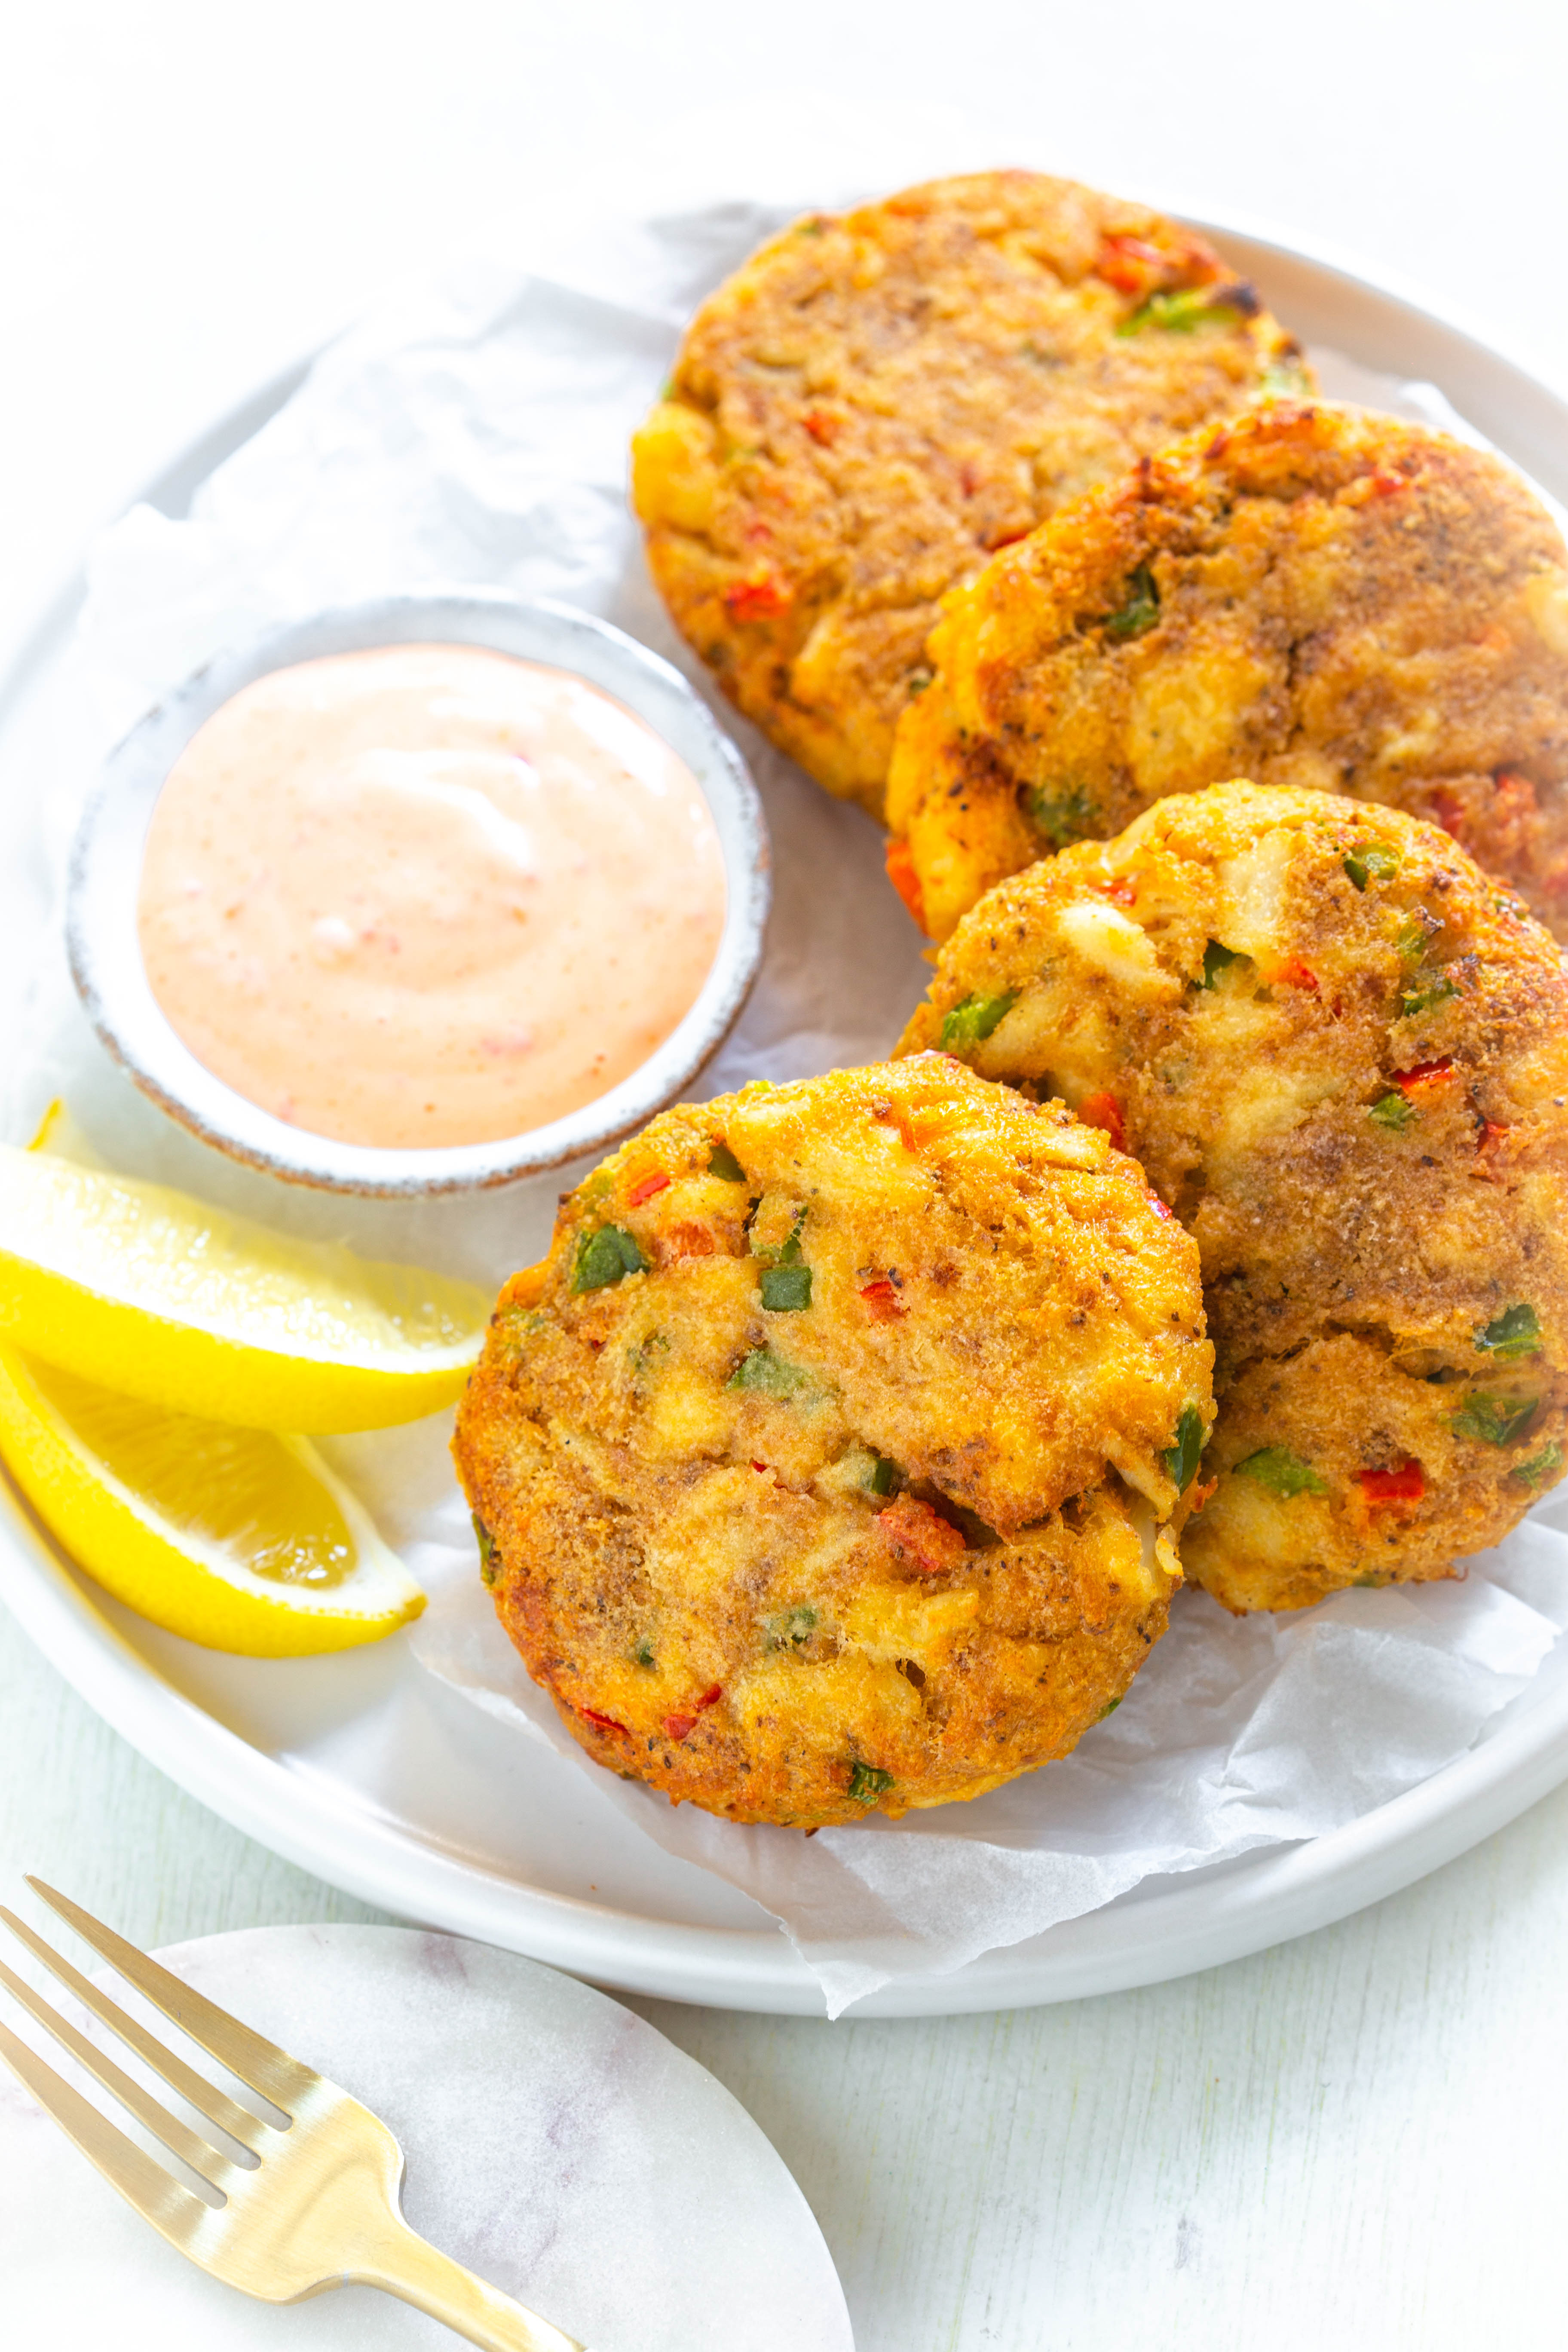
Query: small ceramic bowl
[106,870]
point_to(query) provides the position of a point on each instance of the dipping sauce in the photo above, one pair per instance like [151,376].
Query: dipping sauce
[427,895]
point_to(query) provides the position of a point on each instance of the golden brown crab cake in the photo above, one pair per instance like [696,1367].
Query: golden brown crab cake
[879,398]
[1341,1053]
[828,1463]
[1312,596]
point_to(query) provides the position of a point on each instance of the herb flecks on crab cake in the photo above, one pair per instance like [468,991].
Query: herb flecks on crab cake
[879,398]
[829,1463]
[1341,1053]
[1311,596]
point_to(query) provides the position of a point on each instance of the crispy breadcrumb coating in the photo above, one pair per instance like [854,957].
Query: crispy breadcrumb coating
[1341,1053]
[829,1462]
[1313,597]
[879,399]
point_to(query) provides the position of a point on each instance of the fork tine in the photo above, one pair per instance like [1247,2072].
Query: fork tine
[156,2194]
[238,2122]
[174,2134]
[259,2062]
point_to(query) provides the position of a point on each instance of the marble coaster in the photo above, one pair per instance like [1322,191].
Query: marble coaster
[555,2143]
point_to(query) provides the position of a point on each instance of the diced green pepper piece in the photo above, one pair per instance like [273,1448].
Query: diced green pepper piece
[722,1162]
[1284,379]
[1394,1111]
[1421,996]
[868,1783]
[790,1628]
[1181,313]
[642,1653]
[1282,1472]
[1371,861]
[761,1374]
[786,1285]
[489,1567]
[786,1288]
[885,1476]
[1511,1335]
[1062,815]
[1494,1420]
[1141,609]
[969,1022]
[1181,1459]
[1541,1468]
[1108,1709]
[607,1257]
[1217,959]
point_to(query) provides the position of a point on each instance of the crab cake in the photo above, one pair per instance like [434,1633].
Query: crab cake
[827,1462]
[1341,1053]
[1312,596]
[879,398]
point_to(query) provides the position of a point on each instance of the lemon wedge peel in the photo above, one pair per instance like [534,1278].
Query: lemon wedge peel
[181,1576]
[140,1288]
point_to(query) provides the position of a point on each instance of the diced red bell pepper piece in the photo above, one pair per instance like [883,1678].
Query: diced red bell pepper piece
[604,1722]
[1425,1073]
[1129,264]
[882,1301]
[1297,974]
[1406,1483]
[921,1537]
[758,600]
[646,1187]
[1102,1110]
[678,1725]
[1450,811]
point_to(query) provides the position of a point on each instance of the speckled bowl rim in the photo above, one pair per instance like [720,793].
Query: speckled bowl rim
[106,866]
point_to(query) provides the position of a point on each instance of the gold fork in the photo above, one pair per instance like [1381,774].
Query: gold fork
[317,2204]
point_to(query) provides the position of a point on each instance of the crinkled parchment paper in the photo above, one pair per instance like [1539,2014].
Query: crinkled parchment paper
[477,430]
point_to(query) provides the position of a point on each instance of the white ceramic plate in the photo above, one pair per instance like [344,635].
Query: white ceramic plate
[368,1771]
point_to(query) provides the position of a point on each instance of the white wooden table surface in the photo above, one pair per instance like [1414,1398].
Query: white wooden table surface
[1359,2139]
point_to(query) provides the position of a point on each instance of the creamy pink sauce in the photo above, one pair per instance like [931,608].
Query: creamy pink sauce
[427,893]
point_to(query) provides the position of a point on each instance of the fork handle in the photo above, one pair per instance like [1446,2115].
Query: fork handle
[408,2266]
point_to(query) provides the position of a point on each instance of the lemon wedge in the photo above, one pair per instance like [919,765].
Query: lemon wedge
[239,1539]
[147,1291]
